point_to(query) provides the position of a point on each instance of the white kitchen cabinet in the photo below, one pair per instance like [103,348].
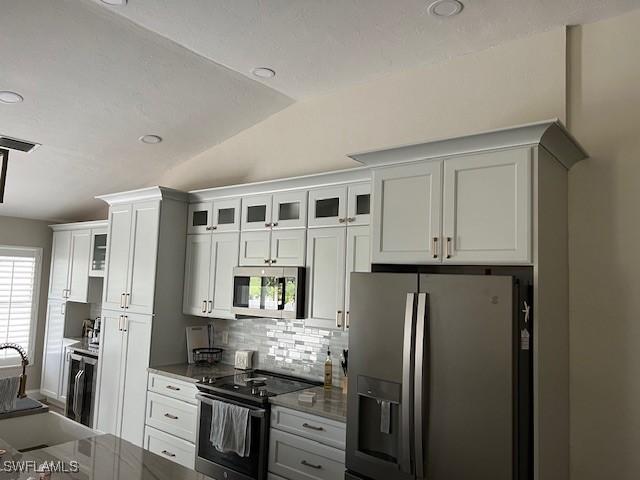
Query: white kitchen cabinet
[170,447]
[79,260]
[221,215]
[70,259]
[326,267]
[358,258]
[256,212]
[328,206]
[98,251]
[52,359]
[196,274]
[289,209]
[255,248]
[407,208]
[487,207]
[288,247]
[124,358]
[59,276]
[208,286]
[132,257]
[359,204]
[66,364]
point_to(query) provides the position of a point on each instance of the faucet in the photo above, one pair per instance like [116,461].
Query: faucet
[25,362]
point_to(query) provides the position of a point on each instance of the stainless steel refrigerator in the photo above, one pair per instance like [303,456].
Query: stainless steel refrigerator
[438,378]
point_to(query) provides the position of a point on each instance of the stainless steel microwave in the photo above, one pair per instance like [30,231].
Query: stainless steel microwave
[273,292]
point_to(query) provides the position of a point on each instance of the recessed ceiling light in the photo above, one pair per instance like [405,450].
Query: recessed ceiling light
[10,97]
[150,139]
[264,72]
[445,8]
[115,2]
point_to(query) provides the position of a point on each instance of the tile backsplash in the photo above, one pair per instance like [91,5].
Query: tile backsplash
[282,345]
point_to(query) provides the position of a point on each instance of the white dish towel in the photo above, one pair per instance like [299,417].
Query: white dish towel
[230,428]
[9,393]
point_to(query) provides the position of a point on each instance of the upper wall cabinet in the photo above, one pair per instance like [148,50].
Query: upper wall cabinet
[359,204]
[275,211]
[472,209]
[220,216]
[133,243]
[328,206]
[407,213]
[487,207]
[71,259]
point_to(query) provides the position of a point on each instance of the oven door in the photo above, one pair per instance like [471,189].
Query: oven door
[230,466]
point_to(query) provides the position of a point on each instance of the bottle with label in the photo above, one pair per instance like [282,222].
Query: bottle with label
[328,371]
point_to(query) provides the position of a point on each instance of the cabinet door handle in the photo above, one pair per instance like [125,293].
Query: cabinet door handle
[274,224]
[313,427]
[342,220]
[272,261]
[346,319]
[339,319]
[125,323]
[312,465]
[209,228]
[266,260]
[268,225]
[434,247]
[351,219]
[449,239]
[171,387]
[204,306]
[122,300]
[127,297]
[214,227]
[120,323]
[168,453]
[172,417]
[210,306]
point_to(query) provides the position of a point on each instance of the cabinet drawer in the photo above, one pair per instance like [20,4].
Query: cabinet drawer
[173,388]
[297,458]
[170,447]
[172,416]
[316,428]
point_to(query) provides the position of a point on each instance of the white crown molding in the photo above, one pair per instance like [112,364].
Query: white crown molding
[141,194]
[79,225]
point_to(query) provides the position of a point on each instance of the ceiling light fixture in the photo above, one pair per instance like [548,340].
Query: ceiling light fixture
[7,96]
[445,8]
[150,139]
[264,72]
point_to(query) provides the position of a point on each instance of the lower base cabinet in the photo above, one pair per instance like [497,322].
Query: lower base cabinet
[172,448]
[305,447]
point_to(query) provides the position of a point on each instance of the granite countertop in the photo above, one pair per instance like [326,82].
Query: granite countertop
[191,372]
[330,404]
[96,458]
[83,346]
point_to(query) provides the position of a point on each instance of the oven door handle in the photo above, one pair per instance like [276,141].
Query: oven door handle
[208,399]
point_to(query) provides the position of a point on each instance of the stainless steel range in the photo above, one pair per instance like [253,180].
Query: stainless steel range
[250,390]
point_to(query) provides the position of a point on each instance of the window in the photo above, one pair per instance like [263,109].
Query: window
[19,288]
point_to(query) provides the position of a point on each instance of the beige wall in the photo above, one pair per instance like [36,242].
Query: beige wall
[518,82]
[604,114]
[31,233]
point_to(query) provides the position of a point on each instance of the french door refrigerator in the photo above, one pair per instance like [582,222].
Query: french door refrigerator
[437,389]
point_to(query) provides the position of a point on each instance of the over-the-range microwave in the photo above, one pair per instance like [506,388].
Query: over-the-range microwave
[273,292]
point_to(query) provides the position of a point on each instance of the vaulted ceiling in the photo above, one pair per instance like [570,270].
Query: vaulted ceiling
[95,77]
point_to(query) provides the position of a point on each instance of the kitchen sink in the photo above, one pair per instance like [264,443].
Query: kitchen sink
[41,430]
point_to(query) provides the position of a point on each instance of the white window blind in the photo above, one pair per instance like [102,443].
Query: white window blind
[19,286]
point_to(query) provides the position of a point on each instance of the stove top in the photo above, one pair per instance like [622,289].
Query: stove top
[256,386]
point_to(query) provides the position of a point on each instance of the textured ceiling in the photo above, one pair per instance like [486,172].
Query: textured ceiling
[320,45]
[95,77]
[93,83]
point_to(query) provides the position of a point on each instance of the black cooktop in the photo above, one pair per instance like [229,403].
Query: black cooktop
[256,385]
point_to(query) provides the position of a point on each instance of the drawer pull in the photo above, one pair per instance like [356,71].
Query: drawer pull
[168,453]
[172,417]
[313,427]
[307,464]
[171,387]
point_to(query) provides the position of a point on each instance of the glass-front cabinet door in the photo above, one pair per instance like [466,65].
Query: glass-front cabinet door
[359,204]
[200,215]
[256,212]
[98,252]
[290,209]
[327,207]
[226,215]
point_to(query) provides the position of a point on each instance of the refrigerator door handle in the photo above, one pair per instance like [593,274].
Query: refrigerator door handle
[407,382]
[420,388]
